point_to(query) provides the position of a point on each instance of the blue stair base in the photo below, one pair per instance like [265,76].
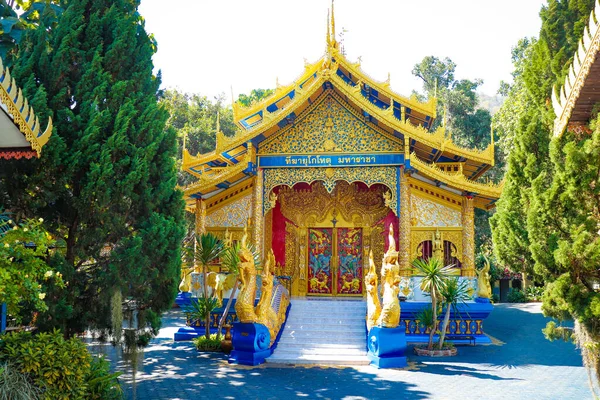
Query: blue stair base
[196,328]
[250,344]
[387,347]
[468,322]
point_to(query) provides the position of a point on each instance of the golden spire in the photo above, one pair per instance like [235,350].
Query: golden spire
[328,37]
[333,42]
[218,123]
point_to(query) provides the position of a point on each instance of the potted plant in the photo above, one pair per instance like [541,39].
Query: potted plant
[208,248]
[434,276]
[453,292]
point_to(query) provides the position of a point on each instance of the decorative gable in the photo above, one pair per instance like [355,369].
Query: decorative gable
[330,126]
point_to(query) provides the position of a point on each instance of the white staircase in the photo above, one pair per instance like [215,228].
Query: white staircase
[323,331]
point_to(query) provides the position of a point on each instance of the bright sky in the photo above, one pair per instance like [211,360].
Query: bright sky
[207,46]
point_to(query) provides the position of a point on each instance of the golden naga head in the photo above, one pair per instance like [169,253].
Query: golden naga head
[371,277]
[244,252]
[391,255]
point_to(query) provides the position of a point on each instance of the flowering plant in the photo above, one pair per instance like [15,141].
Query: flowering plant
[508,274]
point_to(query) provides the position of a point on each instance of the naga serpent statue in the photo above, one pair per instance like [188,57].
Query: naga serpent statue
[244,305]
[264,311]
[390,270]
[373,303]
[484,289]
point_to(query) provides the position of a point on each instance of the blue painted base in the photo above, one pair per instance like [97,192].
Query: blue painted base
[250,344]
[421,338]
[481,300]
[183,299]
[387,347]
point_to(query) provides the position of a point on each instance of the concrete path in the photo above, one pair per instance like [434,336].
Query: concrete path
[520,365]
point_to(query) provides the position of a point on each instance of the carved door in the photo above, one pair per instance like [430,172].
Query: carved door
[335,261]
[349,272]
[320,252]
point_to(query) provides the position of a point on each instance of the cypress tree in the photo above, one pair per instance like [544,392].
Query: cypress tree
[106,182]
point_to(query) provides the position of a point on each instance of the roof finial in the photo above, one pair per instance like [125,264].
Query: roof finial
[332,25]
[328,37]
[435,88]
[218,124]
[232,98]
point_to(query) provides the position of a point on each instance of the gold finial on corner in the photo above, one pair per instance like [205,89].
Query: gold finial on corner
[328,35]
[218,123]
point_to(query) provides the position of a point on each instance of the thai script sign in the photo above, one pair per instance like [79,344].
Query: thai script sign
[329,160]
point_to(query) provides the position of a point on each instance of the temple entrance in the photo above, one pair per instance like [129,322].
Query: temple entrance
[335,264]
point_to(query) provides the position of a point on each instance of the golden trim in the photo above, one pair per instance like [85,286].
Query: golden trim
[458,181]
[21,113]
[207,181]
[433,193]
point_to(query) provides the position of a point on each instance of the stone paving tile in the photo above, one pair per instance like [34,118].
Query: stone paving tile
[521,365]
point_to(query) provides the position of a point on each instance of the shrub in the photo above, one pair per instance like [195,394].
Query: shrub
[61,368]
[516,296]
[15,385]
[534,293]
[211,344]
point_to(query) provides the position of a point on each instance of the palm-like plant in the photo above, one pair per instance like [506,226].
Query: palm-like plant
[453,292]
[434,275]
[231,260]
[208,248]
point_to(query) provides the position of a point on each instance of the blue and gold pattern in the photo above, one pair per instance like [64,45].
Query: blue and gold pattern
[330,126]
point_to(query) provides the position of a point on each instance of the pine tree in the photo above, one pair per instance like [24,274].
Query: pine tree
[107,180]
[548,218]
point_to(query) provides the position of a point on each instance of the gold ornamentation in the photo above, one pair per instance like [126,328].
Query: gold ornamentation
[484,289]
[244,305]
[369,175]
[452,235]
[220,283]
[234,214]
[17,107]
[209,179]
[429,213]
[468,237]
[200,215]
[373,303]
[272,200]
[264,313]
[330,125]
[457,180]
[310,207]
[404,226]
[390,278]
[438,245]
[257,211]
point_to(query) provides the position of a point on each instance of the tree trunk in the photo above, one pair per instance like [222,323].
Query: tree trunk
[227,307]
[444,326]
[207,318]
[434,320]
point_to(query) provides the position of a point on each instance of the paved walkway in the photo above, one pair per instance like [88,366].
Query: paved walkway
[521,365]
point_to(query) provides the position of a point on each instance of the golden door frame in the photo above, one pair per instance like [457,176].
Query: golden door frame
[316,208]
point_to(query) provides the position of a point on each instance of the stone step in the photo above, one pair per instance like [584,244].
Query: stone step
[293,345]
[292,329]
[319,359]
[323,352]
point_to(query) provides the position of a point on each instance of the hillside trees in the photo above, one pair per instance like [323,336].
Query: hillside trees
[106,183]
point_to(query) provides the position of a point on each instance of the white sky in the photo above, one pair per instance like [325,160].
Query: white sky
[206,46]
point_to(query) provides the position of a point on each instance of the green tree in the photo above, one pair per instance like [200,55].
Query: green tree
[106,181]
[255,96]
[547,220]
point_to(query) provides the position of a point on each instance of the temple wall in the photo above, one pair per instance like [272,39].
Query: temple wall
[232,215]
[425,212]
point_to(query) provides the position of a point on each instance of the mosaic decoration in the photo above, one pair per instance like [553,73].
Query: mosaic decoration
[349,257]
[319,260]
[330,126]
[234,214]
[428,213]
[329,176]
[407,288]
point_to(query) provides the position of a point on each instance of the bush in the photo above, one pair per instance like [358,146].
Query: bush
[15,385]
[61,368]
[204,344]
[534,293]
[516,296]
[495,298]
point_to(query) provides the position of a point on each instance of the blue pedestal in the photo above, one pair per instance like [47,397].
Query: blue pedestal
[250,344]
[481,300]
[387,347]
[183,299]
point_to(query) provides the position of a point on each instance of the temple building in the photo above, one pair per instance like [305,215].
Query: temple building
[20,132]
[320,170]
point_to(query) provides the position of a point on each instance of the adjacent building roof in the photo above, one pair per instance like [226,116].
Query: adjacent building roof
[574,101]
[20,132]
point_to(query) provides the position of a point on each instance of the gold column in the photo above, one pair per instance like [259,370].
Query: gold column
[257,212]
[468,222]
[404,226]
[200,214]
